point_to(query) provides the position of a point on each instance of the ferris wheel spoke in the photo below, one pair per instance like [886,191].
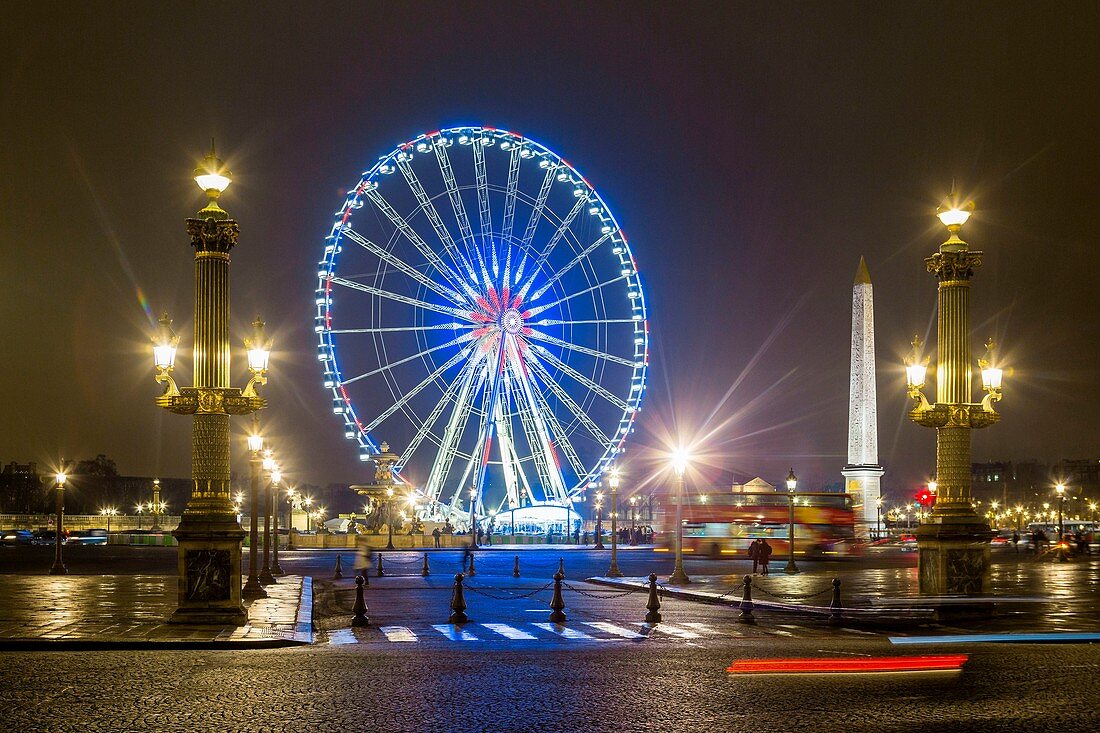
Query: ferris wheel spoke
[416,390]
[455,197]
[511,192]
[535,416]
[569,403]
[426,427]
[546,306]
[392,329]
[371,290]
[448,447]
[581,379]
[558,436]
[407,359]
[417,241]
[396,262]
[572,263]
[527,414]
[553,242]
[590,321]
[540,204]
[508,456]
[483,202]
[538,335]
[437,223]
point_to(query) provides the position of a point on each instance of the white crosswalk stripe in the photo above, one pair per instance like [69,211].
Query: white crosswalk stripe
[611,628]
[509,632]
[674,631]
[454,632]
[565,632]
[729,631]
[594,631]
[397,633]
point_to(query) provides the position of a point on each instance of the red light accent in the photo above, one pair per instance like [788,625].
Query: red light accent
[943,662]
[525,315]
[504,297]
[517,301]
[484,305]
[485,456]
[494,300]
[433,133]
[486,127]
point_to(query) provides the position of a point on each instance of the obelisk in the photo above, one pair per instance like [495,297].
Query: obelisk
[863,474]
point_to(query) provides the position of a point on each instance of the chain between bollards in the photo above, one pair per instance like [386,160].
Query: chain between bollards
[339,572]
[653,605]
[835,606]
[458,603]
[425,572]
[381,571]
[515,568]
[557,603]
[746,616]
[360,607]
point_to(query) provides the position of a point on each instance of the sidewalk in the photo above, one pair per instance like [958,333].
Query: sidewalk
[43,612]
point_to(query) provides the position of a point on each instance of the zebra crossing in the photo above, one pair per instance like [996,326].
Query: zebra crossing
[581,632]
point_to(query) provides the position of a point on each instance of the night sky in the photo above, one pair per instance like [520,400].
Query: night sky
[751,154]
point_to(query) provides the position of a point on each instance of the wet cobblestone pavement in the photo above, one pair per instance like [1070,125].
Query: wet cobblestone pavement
[131,609]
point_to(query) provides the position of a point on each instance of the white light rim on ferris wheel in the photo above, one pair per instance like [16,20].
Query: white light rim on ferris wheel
[529,149]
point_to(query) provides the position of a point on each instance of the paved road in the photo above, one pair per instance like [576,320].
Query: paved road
[509,669]
[629,686]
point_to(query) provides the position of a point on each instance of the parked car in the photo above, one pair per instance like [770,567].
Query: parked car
[13,537]
[87,537]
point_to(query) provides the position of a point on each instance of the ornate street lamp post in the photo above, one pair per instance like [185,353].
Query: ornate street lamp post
[613,571]
[633,525]
[473,517]
[154,507]
[953,541]
[1060,489]
[252,587]
[878,518]
[58,567]
[792,484]
[276,479]
[209,535]
[389,518]
[679,464]
[599,521]
[268,466]
[108,512]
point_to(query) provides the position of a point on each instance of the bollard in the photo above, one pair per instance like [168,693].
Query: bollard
[381,572]
[424,571]
[515,568]
[472,572]
[561,566]
[835,606]
[458,604]
[339,572]
[746,616]
[360,606]
[654,603]
[557,603]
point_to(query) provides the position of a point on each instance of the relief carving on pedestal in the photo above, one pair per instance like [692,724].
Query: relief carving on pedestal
[965,570]
[208,574]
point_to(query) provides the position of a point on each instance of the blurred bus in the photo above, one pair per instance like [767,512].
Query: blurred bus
[719,525]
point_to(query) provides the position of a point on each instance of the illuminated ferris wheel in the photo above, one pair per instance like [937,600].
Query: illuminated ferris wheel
[478,304]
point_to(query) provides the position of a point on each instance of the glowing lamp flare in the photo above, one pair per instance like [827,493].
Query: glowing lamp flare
[211,175]
[255,443]
[850,665]
[164,345]
[792,481]
[680,459]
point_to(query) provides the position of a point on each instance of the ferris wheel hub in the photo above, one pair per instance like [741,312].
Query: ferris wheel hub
[511,321]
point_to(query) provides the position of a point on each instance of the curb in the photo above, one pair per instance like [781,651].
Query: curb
[870,614]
